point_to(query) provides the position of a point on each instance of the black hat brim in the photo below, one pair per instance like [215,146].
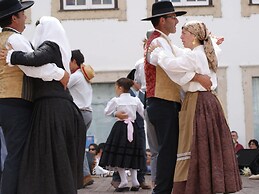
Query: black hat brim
[177,13]
[131,74]
[11,11]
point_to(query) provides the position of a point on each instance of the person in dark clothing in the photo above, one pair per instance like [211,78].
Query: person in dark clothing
[54,151]
[16,89]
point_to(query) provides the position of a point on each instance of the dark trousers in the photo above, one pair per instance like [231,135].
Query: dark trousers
[15,116]
[142,172]
[163,115]
[0,162]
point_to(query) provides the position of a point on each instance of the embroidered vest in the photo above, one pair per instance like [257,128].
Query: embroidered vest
[158,84]
[13,83]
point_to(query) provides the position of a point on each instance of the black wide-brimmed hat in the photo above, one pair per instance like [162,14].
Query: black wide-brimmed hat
[9,7]
[161,8]
[131,74]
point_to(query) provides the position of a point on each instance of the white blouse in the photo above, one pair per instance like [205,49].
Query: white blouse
[46,72]
[165,42]
[125,103]
[181,69]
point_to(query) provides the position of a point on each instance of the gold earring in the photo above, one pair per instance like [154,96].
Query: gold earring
[194,41]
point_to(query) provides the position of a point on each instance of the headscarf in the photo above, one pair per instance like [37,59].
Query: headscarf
[200,30]
[50,29]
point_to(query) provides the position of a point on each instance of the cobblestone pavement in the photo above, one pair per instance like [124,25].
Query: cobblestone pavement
[102,185]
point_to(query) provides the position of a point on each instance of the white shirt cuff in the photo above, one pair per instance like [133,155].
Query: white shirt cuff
[8,57]
[59,75]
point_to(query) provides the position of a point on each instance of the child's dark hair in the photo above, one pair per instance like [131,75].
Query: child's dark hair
[125,83]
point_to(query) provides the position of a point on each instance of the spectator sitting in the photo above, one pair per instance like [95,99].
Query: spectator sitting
[148,160]
[237,145]
[100,150]
[98,170]
[93,148]
[253,144]
[91,154]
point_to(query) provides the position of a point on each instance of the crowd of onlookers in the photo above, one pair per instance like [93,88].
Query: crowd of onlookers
[94,152]
[252,144]
[247,156]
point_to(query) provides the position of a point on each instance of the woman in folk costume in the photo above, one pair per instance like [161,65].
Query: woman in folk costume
[123,148]
[206,161]
[53,156]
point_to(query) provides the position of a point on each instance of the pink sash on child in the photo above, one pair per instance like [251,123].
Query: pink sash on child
[130,128]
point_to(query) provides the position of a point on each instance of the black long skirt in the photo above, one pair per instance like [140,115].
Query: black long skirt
[119,152]
[52,162]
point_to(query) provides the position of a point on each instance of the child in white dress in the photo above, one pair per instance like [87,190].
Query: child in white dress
[123,149]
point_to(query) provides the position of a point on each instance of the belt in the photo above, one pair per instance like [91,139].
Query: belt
[86,109]
[163,102]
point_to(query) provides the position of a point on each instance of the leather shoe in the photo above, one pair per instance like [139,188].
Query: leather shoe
[122,189]
[144,185]
[135,188]
[87,180]
[115,184]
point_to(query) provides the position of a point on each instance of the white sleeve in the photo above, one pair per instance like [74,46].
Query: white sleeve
[216,47]
[187,77]
[184,63]
[140,72]
[73,79]
[179,69]
[46,72]
[158,42]
[111,107]
[140,108]
[179,51]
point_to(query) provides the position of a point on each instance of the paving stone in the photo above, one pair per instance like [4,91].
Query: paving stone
[102,185]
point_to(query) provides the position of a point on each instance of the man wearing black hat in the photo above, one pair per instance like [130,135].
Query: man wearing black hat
[163,95]
[16,89]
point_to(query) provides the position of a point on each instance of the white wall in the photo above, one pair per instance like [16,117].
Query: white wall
[117,45]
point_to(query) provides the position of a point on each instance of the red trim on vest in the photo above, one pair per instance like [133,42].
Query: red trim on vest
[150,70]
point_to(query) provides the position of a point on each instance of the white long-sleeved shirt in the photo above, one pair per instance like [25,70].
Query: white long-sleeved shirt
[165,42]
[125,103]
[81,90]
[140,74]
[46,72]
[180,69]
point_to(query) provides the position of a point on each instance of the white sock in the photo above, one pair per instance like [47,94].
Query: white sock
[123,176]
[134,178]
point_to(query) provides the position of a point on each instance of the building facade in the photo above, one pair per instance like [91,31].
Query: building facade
[110,34]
